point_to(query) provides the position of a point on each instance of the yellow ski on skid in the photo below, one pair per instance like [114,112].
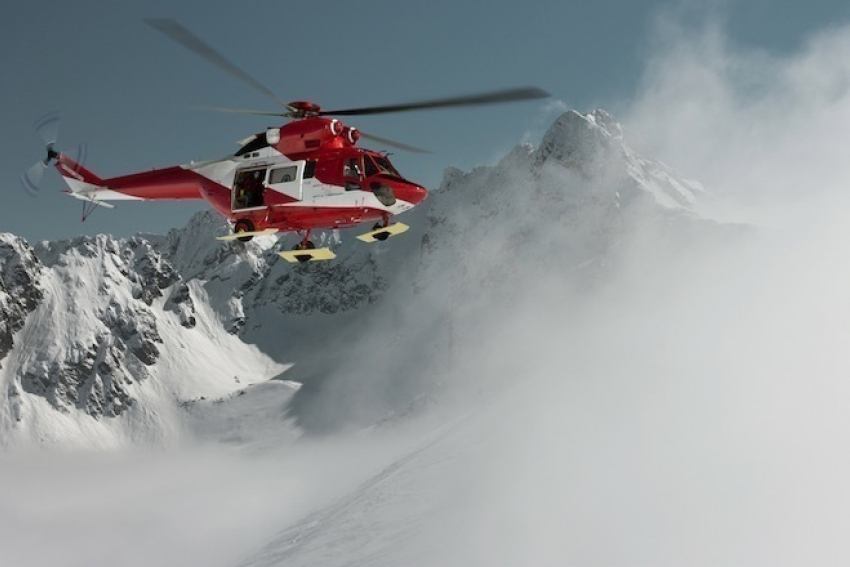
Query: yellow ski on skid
[381,234]
[308,255]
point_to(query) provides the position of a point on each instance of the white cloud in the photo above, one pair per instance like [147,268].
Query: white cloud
[764,128]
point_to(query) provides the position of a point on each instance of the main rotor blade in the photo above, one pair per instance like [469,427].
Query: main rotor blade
[394,144]
[245,111]
[195,44]
[507,95]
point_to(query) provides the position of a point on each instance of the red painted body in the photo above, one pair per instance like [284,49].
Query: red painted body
[326,144]
[169,183]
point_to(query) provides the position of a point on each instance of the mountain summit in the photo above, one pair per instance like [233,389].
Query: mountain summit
[595,145]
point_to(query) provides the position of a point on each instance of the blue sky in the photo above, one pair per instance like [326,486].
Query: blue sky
[128,92]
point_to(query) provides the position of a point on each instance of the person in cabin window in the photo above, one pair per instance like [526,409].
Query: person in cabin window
[352,169]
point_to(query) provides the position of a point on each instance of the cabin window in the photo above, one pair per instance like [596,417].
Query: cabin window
[309,169]
[371,168]
[283,174]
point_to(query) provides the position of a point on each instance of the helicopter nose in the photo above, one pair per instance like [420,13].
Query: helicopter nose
[413,194]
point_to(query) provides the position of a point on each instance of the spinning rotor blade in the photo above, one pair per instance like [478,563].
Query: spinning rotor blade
[80,154]
[47,128]
[31,178]
[507,95]
[245,111]
[394,144]
[494,97]
[195,44]
[378,139]
[385,141]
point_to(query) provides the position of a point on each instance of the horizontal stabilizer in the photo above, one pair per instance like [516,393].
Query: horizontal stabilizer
[89,197]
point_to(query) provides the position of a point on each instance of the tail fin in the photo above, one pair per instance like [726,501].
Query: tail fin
[78,178]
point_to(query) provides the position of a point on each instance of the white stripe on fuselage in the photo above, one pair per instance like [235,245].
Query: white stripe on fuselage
[351,200]
[315,193]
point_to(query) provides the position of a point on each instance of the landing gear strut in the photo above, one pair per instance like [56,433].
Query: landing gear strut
[306,243]
[379,225]
[306,251]
[244,225]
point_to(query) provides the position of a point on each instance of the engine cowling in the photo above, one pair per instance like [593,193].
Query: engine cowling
[352,135]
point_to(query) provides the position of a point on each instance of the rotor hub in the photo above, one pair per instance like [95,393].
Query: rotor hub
[304,109]
[52,154]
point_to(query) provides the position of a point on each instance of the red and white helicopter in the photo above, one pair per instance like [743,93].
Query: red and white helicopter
[305,175]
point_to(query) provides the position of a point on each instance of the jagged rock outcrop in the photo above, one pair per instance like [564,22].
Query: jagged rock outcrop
[101,294]
[244,277]
[182,304]
[151,272]
[318,288]
[19,290]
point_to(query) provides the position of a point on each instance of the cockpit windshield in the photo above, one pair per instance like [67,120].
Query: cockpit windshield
[380,165]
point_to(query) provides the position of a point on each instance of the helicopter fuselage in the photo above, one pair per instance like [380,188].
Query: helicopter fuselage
[308,174]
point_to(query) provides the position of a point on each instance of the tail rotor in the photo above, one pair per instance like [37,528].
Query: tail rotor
[31,179]
[47,128]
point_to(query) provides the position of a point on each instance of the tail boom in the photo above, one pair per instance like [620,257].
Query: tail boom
[173,183]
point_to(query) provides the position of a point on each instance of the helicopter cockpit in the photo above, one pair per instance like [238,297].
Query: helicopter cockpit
[365,166]
[377,164]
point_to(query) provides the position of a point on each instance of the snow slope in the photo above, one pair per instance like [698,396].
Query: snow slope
[102,361]
[106,340]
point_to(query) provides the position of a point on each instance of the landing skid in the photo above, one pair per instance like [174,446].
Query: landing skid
[381,234]
[237,235]
[309,255]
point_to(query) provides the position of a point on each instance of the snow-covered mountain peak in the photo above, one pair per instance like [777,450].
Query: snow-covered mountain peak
[575,141]
[595,147]
[552,208]
[607,122]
